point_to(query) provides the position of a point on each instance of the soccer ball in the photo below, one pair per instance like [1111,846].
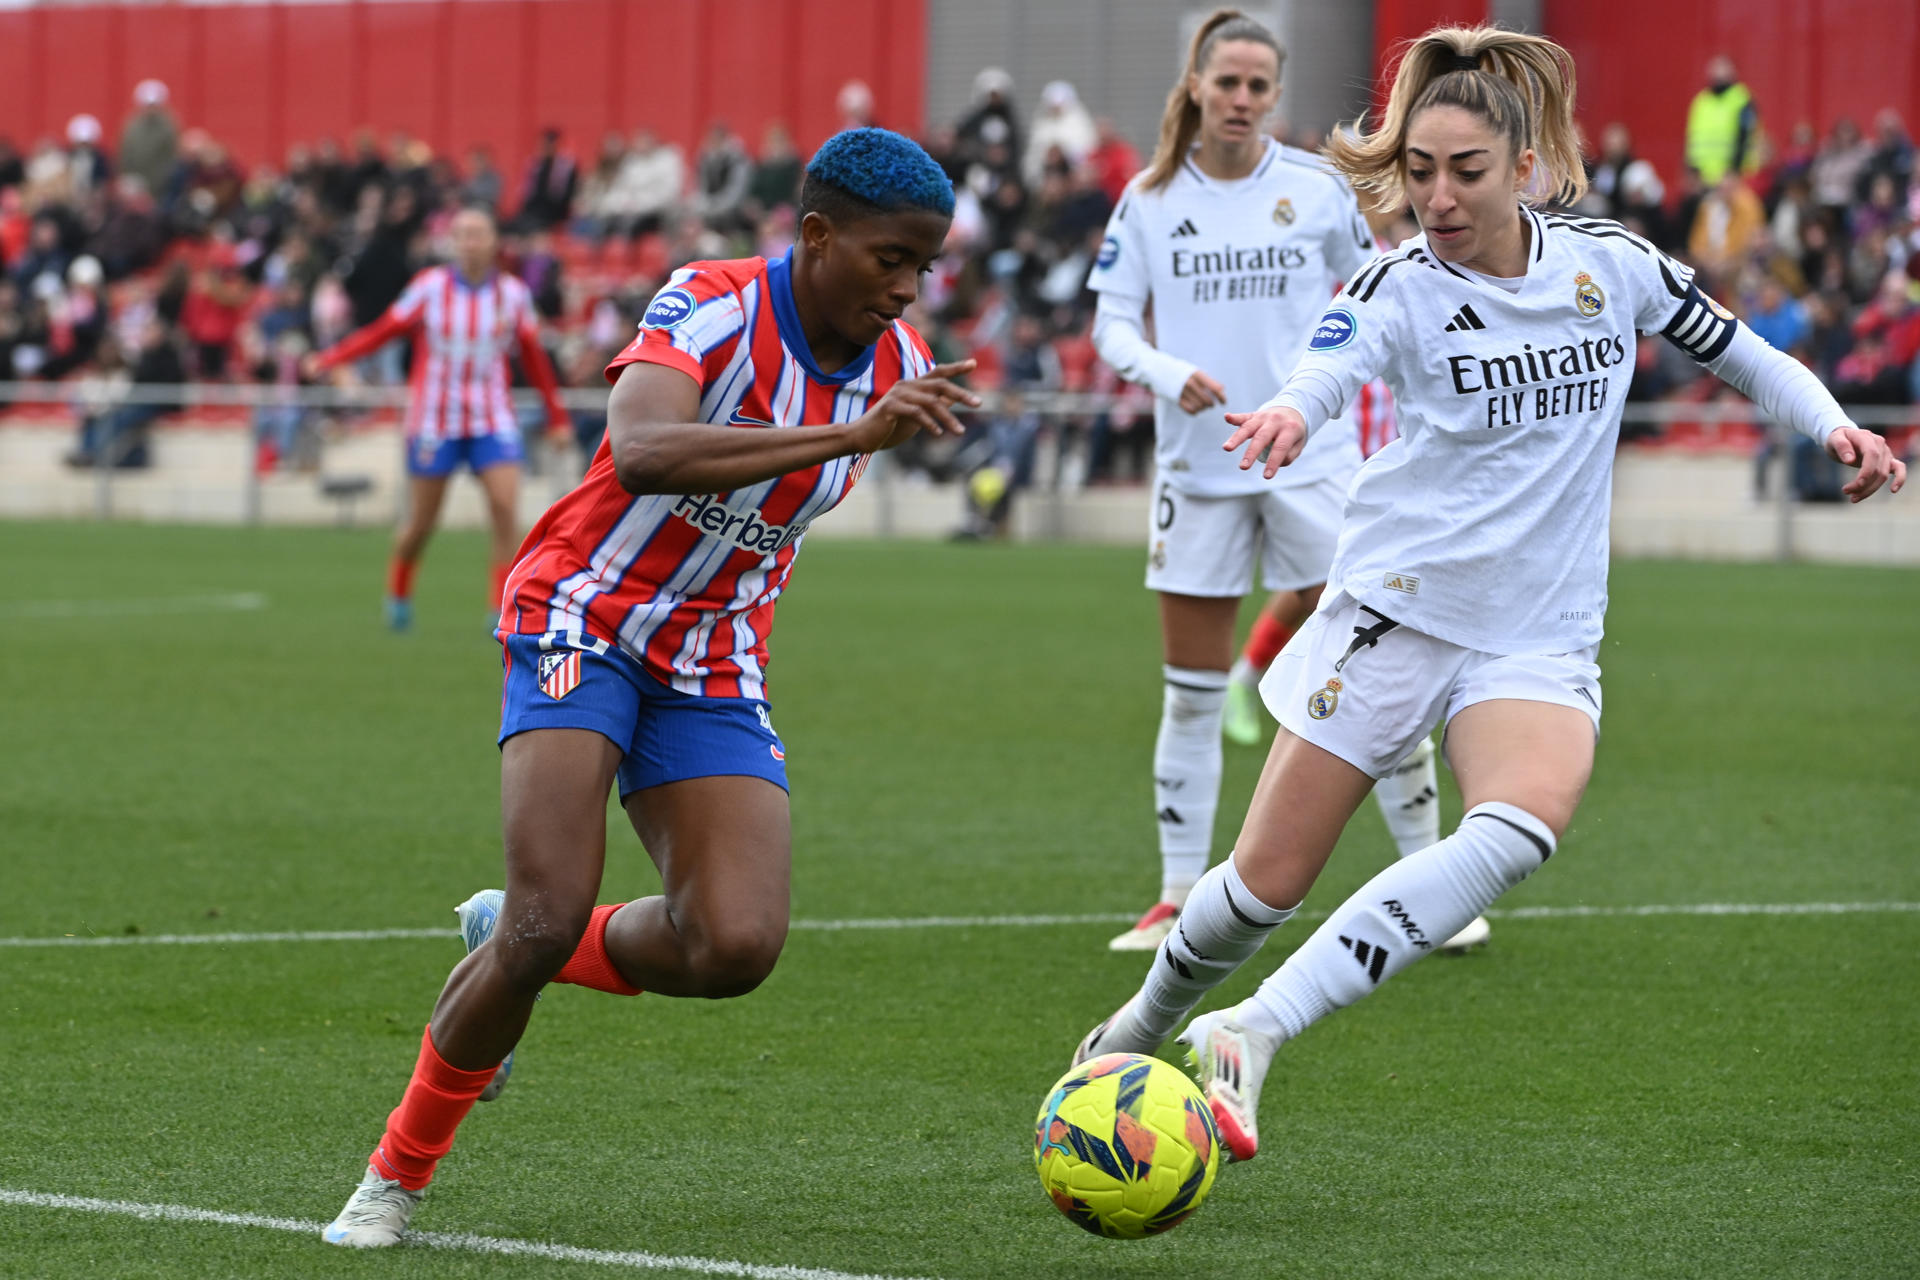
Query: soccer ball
[1126,1146]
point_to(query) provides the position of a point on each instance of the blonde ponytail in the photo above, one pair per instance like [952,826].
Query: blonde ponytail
[1180,122]
[1521,85]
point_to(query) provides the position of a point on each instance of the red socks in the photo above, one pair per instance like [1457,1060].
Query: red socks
[420,1130]
[1265,642]
[400,578]
[590,966]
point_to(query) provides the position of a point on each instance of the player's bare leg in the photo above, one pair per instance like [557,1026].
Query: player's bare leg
[1197,641]
[724,850]
[1278,619]
[553,789]
[425,494]
[1522,768]
[501,485]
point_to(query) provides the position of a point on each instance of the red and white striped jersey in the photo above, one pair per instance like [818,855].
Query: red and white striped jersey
[464,331]
[686,584]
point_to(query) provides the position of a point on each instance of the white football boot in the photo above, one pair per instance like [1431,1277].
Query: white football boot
[1149,931]
[478,915]
[375,1216]
[1475,934]
[1229,1062]
[1118,1034]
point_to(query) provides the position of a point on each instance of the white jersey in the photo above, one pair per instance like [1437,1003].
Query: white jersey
[1485,523]
[1238,272]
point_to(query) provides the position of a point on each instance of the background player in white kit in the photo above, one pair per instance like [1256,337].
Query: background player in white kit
[1236,241]
[1470,584]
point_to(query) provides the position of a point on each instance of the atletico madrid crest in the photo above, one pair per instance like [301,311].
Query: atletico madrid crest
[559,673]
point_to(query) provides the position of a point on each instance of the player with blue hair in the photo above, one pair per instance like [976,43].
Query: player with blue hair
[635,623]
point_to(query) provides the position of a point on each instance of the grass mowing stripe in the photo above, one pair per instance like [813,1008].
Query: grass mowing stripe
[458,1241]
[222,602]
[1028,922]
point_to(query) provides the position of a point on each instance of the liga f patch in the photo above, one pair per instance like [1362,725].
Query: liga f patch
[559,673]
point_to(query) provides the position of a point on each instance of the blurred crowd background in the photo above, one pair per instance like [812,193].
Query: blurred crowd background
[136,249]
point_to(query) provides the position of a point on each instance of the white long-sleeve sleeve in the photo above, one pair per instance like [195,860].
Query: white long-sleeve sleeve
[1120,336]
[1781,386]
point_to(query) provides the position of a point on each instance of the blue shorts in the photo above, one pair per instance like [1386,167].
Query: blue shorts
[430,459]
[667,735]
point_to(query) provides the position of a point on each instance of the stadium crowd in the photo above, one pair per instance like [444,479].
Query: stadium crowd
[156,257]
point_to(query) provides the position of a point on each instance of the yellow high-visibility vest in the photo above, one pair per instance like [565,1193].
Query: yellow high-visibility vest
[1713,130]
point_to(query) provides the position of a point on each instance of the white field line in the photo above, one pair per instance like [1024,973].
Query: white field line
[455,1241]
[985,922]
[223,602]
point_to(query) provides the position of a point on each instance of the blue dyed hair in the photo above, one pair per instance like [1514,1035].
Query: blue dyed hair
[862,173]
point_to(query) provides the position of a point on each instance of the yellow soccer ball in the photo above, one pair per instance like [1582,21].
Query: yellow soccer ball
[1126,1146]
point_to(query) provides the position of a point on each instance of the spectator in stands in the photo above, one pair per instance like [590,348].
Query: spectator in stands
[379,270]
[1063,122]
[590,206]
[1881,367]
[776,174]
[1724,225]
[721,173]
[1837,167]
[1892,155]
[1623,184]
[45,254]
[483,185]
[546,193]
[989,121]
[854,102]
[13,172]
[118,438]
[368,168]
[216,302]
[1723,126]
[150,139]
[76,318]
[88,169]
[1112,162]
[649,187]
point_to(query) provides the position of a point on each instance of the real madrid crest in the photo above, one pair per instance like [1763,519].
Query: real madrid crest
[1283,211]
[1324,701]
[1587,296]
[1714,306]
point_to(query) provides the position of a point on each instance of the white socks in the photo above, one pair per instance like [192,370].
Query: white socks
[1399,916]
[1409,800]
[1186,776]
[1221,927]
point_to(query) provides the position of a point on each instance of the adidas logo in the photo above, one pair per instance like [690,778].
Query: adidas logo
[1171,816]
[1372,956]
[1186,228]
[1465,319]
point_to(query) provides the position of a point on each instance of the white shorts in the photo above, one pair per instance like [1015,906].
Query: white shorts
[1388,695]
[1205,546]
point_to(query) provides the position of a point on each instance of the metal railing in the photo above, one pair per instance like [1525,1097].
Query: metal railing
[1061,414]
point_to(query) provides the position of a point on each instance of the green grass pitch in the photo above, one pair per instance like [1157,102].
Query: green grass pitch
[969,730]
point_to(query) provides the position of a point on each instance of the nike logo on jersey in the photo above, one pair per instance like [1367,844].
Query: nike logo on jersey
[742,529]
[1186,228]
[1464,318]
[739,419]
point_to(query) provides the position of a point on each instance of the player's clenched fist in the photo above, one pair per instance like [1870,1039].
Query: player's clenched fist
[1274,436]
[916,404]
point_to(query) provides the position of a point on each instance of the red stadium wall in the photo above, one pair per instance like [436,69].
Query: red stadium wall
[1641,61]
[261,77]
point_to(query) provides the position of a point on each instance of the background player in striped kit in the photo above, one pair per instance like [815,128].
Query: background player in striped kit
[1470,584]
[1235,242]
[464,318]
[636,634]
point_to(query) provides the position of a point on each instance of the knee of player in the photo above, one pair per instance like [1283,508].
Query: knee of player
[734,958]
[533,949]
